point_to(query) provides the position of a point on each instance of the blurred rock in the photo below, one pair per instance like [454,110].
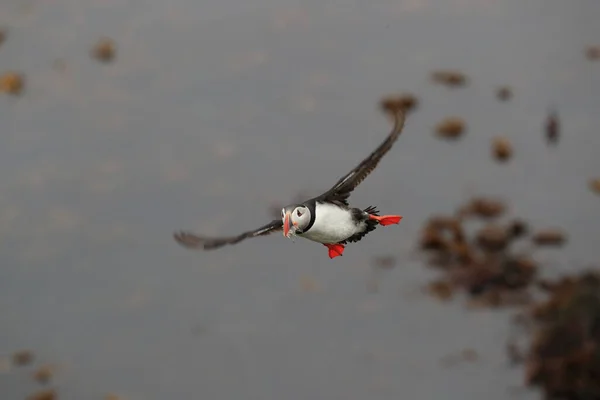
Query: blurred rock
[549,237]
[504,93]
[443,222]
[406,101]
[479,262]
[3,35]
[449,78]
[593,53]
[44,373]
[564,353]
[552,127]
[518,228]
[432,239]
[595,185]
[502,150]
[483,207]
[104,51]
[22,358]
[43,395]
[451,128]
[492,238]
[441,289]
[12,83]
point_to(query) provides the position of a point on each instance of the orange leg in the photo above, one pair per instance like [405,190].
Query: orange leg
[386,219]
[335,250]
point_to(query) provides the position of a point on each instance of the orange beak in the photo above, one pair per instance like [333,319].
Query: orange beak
[286,224]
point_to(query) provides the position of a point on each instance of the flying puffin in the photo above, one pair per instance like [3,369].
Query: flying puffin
[328,218]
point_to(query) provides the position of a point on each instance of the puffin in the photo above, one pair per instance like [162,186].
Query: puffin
[327,219]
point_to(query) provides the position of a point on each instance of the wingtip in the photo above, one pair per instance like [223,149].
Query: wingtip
[187,240]
[192,241]
[178,236]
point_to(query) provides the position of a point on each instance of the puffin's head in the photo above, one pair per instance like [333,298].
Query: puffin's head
[295,218]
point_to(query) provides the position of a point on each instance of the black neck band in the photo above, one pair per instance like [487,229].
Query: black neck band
[312,207]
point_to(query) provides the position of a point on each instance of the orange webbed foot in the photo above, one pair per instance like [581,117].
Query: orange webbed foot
[335,250]
[386,219]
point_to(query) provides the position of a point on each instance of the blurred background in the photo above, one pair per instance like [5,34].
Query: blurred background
[123,121]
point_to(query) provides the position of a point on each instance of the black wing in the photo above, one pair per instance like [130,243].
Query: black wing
[192,241]
[341,190]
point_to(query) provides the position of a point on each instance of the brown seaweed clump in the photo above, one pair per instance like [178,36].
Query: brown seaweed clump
[451,128]
[504,93]
[483,207]
[392,104]
[552,127]
[549,237]
[493,237]
[12,83]
[592,53]
[595,185]
[449,78]
[441,289]
[22,358]
[43,395]
[480,262]
[518,228]
[44,374]
[104,50]
[564,354]
[502,150]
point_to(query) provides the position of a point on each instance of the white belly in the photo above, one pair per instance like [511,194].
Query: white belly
[332,225]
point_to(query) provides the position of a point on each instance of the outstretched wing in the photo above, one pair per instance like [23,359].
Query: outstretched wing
[193,241]
[342,189]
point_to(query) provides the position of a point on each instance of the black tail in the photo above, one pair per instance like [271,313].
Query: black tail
[372,210]
[371,223]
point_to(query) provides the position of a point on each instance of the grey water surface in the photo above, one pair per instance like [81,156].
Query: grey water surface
[214,109]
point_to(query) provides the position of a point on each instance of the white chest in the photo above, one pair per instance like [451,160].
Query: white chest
[332,225]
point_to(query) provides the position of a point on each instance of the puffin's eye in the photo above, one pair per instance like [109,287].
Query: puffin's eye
[299,213]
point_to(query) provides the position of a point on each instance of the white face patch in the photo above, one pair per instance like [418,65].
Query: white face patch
[299,219]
